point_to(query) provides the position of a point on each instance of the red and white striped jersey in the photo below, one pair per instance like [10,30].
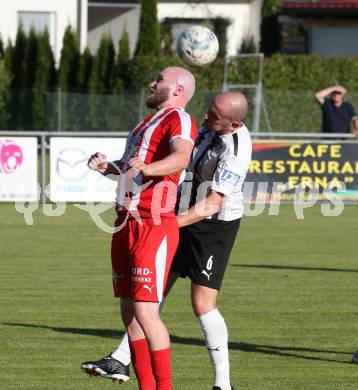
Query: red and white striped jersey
[153,197]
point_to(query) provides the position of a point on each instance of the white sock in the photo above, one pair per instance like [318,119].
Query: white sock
[216,339]
[123,353]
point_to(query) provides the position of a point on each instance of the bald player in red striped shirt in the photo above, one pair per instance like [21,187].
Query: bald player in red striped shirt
[146,236]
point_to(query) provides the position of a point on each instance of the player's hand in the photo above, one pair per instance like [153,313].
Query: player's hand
[137,163]
[98,162]
[180,219]
[340,89]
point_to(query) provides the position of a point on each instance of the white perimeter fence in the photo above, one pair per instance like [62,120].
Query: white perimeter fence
[26,170]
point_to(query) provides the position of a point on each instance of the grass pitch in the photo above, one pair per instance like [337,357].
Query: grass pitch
[289,300]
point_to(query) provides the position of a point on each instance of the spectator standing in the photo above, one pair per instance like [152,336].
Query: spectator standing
[337,114]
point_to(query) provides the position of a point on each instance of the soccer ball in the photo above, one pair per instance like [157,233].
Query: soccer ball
[197,46]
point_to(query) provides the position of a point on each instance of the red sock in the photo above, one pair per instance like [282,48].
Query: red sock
[142,364]
[161,368]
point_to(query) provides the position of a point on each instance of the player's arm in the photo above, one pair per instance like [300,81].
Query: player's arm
[227,181]
[212,204]
[322,94]
[98,162]
[176,161]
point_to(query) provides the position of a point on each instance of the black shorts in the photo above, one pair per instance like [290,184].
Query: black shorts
[204,250]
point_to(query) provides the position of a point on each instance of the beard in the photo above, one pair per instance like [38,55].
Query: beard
[157,98]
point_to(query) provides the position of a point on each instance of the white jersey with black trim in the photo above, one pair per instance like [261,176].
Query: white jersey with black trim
[220,163]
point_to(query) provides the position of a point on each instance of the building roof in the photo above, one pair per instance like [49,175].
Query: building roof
[319,4]
[114,3]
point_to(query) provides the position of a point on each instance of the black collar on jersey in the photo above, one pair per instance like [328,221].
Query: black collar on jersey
[216,140]
[236,143]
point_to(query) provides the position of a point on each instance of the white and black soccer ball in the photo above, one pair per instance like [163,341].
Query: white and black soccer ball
[197,46]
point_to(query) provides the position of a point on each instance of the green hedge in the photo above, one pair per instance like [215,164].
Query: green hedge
[288,72]
[289,86]
[303,72]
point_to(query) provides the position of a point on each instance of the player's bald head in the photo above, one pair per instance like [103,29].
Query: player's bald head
[173,87]
[233,105]
[226,112]
[182,77]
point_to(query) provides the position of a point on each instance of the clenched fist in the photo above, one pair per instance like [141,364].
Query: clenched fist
[98,162]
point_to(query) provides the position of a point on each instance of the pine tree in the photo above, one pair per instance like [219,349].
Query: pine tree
[122,62]
[85,68]
[4,94]
[26,95]
[18,63]
[45,78]
[8,55]
[31,58]
[18,103]
[69,62]
[124,50]
[45,64]
[101,82]
[270,28]
[1,48]
[220,29]
[102,75]
[7,100]
[149,29]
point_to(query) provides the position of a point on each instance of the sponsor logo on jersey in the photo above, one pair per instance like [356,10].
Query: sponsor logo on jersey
[140,271]
[141,279]
[230,177]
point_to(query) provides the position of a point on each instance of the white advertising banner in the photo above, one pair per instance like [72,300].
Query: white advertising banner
[18,169]
[70,178]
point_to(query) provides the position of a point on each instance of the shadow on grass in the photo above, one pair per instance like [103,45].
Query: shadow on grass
[291,352]
[292,267]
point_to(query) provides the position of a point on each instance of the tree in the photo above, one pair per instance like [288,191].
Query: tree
[18,102]
[122,62]
[101,80]
[220,26]
[69,62]
[85,68]
[25,96]
[8,55]
[31,58]
[18,63]
[1,48]
[166,37]
[4,95]
[149,29]
[45,78]
[124,50]
[45,70]
[248,45]
[270,28]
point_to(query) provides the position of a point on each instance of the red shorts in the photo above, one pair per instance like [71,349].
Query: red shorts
[142,253]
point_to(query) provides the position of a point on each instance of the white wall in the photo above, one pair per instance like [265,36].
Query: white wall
[107,20]
[255,20]
[245,17]
[64,12]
